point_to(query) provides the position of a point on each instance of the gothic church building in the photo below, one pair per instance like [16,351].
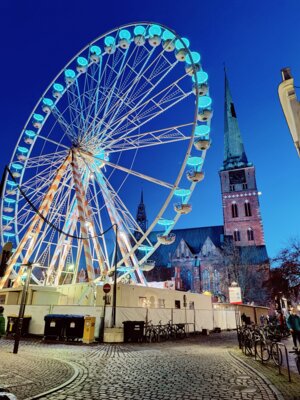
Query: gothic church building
[211,258]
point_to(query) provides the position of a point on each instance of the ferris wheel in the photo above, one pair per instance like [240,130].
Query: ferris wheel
[131,110]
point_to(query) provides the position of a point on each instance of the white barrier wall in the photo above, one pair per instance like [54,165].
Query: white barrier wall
[203,319]
[224,319]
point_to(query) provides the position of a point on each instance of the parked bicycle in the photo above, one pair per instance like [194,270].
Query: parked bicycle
[160,332]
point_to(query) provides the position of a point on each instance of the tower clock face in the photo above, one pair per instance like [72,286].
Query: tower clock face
[237,176]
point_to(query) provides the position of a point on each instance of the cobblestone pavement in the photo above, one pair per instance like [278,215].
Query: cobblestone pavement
[199,368]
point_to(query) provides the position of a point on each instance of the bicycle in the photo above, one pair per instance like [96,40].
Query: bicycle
[171,329]
[269,350]
[162,332]
[151,334]
[180,331]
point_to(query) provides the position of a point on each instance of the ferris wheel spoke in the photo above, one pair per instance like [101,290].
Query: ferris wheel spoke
[123,237]
[46,159]
[66,126]
[155,100]
[140,175]
[131,87]
[152,138]
[152,116]
[128,89]
[115,123]
[131,223]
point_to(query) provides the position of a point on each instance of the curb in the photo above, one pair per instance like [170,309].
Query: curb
[274,389]
[55,389]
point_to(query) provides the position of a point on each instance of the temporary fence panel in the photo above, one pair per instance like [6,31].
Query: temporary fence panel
[130,314]
[157,315]
[203,320]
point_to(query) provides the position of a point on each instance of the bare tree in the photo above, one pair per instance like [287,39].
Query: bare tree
[250,277]
[285,274]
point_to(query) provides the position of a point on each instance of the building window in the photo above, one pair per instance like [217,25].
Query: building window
[216,282]
[245,186]
[206,281]
[143,302]
[236,236]
[248,209]
[177,303]
[231,188]
[250,234]
[234,210]
[161,303]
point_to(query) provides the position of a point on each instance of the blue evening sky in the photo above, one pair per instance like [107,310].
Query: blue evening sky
[254,38]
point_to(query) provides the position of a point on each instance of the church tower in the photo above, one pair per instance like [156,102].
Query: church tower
[141,217]
[241,211]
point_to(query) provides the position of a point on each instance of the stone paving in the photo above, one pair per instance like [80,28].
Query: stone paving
[199,368]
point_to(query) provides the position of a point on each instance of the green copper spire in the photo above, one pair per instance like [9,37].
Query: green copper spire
[234,152]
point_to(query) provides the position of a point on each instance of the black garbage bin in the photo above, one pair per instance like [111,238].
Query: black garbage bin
[12,325]
[133,331]
[54,326]
[74,325]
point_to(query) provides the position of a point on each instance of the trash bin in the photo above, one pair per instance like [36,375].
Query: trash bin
[89,329]
[133,331]
[54,326]
[12,325]
[74,325]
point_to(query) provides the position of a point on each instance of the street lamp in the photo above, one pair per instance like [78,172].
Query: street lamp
[18,333]
[114,303]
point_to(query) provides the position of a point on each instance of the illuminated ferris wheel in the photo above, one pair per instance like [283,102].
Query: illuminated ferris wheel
[130,110]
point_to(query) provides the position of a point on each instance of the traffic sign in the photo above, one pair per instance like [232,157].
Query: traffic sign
[106,288]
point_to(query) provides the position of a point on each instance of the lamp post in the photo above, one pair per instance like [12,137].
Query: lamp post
[18,333]
[114,304]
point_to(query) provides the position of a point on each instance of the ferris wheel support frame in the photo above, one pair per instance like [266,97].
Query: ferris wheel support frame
[43,209]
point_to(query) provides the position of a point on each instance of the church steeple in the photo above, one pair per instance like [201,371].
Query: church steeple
[234,152]
[241,210]
[141,217]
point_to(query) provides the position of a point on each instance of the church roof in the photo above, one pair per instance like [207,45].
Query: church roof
[254,255]
[234,152]
[194,238]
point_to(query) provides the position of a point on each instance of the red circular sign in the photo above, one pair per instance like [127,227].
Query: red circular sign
[106,288]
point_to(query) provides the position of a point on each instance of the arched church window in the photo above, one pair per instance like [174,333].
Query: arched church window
[216,282]
[236,235]
[250,234]
[234,210]
[206,280]
[247,209]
